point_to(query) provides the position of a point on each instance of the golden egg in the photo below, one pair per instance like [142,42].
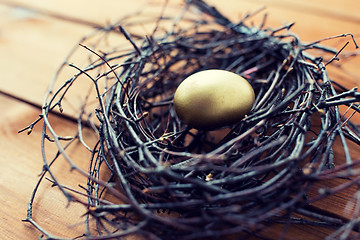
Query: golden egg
[213,98]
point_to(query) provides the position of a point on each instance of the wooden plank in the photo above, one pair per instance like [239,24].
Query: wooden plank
[82,11]
[314,20]
[21,161]
[309,24]
[345,10]
[111,10]
[50,208]
[33,45]
[32,48]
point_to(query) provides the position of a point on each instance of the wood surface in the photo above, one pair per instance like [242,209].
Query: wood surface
[35,37]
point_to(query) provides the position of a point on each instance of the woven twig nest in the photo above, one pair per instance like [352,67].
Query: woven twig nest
[176,182]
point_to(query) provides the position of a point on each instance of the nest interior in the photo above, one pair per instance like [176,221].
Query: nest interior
[176,182]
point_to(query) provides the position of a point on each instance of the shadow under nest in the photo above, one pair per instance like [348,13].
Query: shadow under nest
[180,183]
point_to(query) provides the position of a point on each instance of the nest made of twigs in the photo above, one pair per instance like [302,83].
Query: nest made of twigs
[176,182]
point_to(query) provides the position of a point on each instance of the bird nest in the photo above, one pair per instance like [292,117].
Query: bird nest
[175,182]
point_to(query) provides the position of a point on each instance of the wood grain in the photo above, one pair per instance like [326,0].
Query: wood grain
[21,162]
[35,37]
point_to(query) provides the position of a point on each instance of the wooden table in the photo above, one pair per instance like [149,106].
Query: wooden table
[35,37]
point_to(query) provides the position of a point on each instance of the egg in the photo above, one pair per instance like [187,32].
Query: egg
[214,98]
